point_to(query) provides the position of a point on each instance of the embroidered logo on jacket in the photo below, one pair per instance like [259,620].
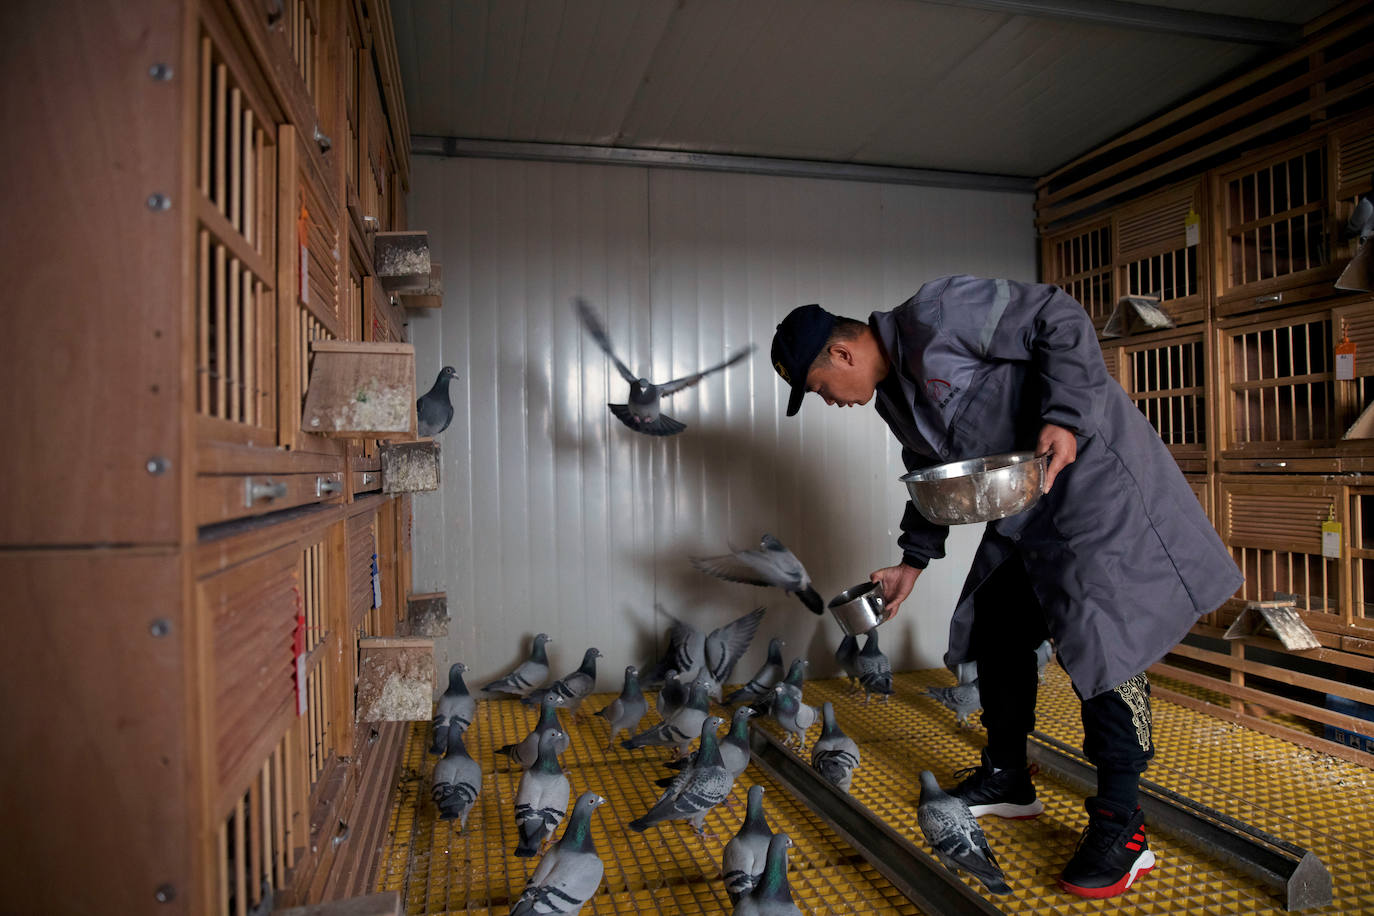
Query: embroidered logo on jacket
[940,392]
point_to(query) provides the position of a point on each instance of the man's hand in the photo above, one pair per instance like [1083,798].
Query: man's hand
[1062,447]
[897,582]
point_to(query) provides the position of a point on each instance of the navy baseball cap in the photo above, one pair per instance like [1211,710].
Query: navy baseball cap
[797,342]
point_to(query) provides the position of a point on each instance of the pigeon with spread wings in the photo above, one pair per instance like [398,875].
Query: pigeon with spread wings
[643,411]
[771,565]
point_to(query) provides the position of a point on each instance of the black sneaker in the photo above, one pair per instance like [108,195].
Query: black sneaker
[1006,793]
[1111,854]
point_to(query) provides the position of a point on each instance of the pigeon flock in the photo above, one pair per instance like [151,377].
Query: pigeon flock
[688,675]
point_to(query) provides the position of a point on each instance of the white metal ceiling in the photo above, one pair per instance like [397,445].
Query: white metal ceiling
[967,85]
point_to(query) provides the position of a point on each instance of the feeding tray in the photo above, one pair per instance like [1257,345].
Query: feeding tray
[401,259]
[360,390]
[410,467]
[429,296]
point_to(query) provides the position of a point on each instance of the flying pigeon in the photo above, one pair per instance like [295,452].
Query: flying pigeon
[695,790]
[679,729]
[875,671]
[847,657]
[686,652]
[763,681]
[1043,653]
[771,565]
[952,830]
[793,715]
[574,687]
[569,874]
[625,711]
[526,751]
[671,695]
[457,780]
[643,414]
[734,749]
[963,698]
[725,646]
[834,755]
[541,800]
[527,675]
[456,709]
[744,856]
[434,411]
[771,896]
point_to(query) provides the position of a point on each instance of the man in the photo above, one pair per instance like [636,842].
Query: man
[1114,563]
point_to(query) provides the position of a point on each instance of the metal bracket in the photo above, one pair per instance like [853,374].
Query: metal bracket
[326,487]
[924,881]
[254,490]
[1297,875]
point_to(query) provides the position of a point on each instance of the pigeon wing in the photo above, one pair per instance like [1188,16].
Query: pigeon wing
[687,381]
[732,568]
[593,325]
[735,638]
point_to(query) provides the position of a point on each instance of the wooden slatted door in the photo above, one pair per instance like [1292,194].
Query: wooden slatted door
[1159,242]
[236,244]
[1165,375]
[1079,261]
[1359,539]
[1353,181]
[258,838]
[1273,527]
[1274,229]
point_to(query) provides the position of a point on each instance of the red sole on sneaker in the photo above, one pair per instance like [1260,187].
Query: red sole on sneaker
[1111,890]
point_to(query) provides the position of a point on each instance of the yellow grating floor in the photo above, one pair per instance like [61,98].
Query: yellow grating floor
[1307,798]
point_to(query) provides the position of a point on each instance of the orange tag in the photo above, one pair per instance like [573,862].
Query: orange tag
[1345,360]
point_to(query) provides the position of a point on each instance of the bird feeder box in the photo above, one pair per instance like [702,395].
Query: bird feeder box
[427,615]
[360,390]
[410,467]
[401,259]
[1134,314]
[1281,617]
[395,679]
[429,296]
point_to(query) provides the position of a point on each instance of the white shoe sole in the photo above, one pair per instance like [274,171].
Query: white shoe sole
[1009,811]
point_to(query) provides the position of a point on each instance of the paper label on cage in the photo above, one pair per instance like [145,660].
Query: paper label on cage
[1345,361]
[1191,224]
[1331,540]
[300,685]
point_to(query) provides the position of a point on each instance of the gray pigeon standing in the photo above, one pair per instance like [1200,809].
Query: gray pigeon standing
[734,749]
[771,565]
[686,652]
[963,699]
[771,896]
[574,687]
[744,856]
[434,411]
[1361,222]
[527,675]
[457,780]
[792,685]
[643,413]
[1043,653]
[541,800]
[834,755]
[456,709]
[526,751]
[569,874]
[725,646]
[763,681]
[847,657]
[795,716]
[875,671]
[681,728]
[696,790]
[952,830]
[671,695]
[625,711]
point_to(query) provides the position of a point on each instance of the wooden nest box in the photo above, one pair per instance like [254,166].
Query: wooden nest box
[401,259]
[429,296]
[410,467]
[360,390]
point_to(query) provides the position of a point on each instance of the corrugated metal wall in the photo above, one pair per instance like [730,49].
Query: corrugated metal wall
[555,517]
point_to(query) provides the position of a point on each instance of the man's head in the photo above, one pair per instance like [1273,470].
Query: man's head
[836,357]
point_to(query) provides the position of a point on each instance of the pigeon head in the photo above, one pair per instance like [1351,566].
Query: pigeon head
[446,373]
[456,668]
[631,671]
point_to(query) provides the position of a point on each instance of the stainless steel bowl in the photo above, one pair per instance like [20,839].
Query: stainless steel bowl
[977,490]
[859,609]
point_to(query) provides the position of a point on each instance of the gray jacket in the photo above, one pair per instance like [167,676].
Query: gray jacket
[1119,552]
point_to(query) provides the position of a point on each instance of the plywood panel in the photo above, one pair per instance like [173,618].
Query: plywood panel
[92,357]
[96,728]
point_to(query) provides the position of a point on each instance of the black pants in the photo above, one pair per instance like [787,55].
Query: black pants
[1008,625]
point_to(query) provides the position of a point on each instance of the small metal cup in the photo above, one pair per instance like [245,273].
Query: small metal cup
[860,608]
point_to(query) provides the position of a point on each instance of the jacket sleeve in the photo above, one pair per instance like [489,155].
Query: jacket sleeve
[1048,328]
[921,540]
